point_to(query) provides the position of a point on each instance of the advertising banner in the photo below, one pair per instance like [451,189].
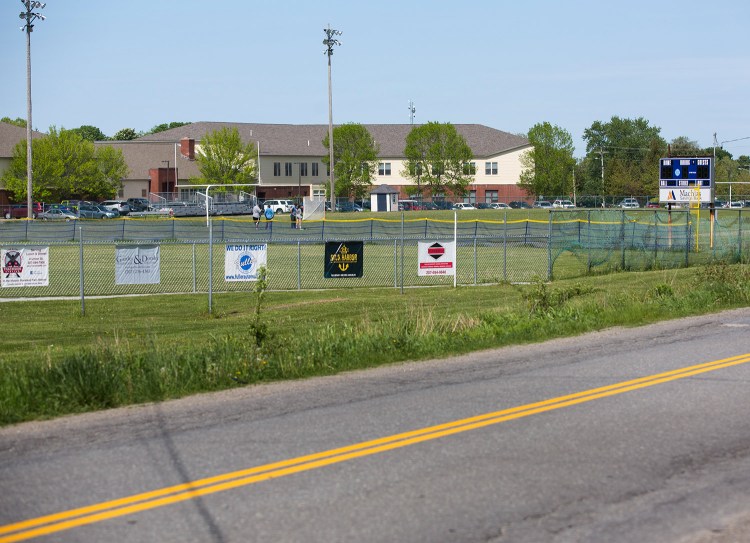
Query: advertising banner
[343,259]
[242,262]
[436,258]
[137,264]
[25,267]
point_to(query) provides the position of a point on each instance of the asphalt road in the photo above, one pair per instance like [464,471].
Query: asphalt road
[631,435]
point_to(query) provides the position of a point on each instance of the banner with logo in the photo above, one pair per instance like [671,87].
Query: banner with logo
[242,262]
[25,267]
[137,264]
[437,258]
[343,259]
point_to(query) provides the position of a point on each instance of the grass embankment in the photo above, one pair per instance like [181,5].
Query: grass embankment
[132,350]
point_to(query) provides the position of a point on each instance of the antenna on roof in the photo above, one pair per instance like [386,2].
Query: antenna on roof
[412,110]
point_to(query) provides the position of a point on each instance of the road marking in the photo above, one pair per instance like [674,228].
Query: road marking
[49,524]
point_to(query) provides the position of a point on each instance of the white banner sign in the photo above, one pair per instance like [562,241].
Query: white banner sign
[437,258]
[25,267]
[242,262]
[137,264]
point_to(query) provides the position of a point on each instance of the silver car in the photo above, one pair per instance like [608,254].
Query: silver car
[57,214]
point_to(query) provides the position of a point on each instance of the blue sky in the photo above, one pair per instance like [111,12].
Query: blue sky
[683,66]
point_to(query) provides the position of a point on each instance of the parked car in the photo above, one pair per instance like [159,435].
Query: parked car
[121,206]
[499,205]
[463,205]
[138,204]
[542,204]
[279,206]
[739,204]
[519,205]
[108,213]
[563,204]
[408,205]
[348,206]
[21,211]
[90,211]
[629,203]
[57,214]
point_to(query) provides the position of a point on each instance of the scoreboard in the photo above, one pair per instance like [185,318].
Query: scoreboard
[685,180]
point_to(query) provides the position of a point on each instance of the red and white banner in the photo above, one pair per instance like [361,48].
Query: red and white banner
[437,258]
[25,267]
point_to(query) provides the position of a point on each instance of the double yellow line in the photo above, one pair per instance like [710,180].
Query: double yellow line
[82,516]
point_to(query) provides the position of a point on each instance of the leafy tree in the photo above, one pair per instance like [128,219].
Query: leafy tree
[125,134]
[90,133]
[684,146]
[224,159]
[166,126]
[630,149]
[66,167]
[355,156]
[548,167]
[18,121]
[436,155]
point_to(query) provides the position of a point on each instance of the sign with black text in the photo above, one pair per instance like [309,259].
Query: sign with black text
[436,258]
[343,259]
[137,265]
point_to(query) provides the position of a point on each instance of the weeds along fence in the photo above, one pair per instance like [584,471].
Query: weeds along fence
[512,247]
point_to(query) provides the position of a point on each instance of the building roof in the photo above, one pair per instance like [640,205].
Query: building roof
[143,156]
[10,136]
[384,189]
[307,139]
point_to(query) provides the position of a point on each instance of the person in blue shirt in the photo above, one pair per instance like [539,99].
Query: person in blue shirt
[268,213]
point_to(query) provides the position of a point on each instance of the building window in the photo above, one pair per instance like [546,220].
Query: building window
[470,168]
[384,168]
[315,169]
[490,168]
[276,169]
[490,196]
[303,169]
[288,169]
[471,198]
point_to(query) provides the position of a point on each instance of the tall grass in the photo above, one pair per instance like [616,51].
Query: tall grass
[164,350]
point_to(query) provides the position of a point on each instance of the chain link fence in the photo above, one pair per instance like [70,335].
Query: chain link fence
[513,248]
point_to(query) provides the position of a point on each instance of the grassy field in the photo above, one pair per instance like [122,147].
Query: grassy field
[148,348]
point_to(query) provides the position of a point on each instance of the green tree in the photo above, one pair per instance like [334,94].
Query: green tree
[224,159]
[166,126]
[630,149]
[684,146]
[90,133]
[548,167]
[18,121]
[437,156]
[66,167]
[126,134]
[355,157]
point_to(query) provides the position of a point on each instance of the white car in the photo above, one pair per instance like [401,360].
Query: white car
[629,203]
[279,206]
[542,204]
[463,205]
[564,204]
[499,205]
[121,206]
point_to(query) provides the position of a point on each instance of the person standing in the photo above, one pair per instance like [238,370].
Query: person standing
[293,216]
[300,210]
[256,214]
[268,213]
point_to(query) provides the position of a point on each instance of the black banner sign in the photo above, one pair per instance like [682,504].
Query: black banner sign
[343,259]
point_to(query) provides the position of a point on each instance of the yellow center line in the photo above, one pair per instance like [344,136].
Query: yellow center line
[72,518]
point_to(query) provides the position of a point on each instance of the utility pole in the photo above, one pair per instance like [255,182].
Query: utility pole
[412,110]
[29,16]
[329,42]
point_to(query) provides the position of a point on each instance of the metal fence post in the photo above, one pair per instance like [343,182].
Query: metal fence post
[622,239]
[195,278]
[505,246]
[656,242]
[588,243]
[299,265]
[395,263]
[739,235]
[688,232]
[549,248]
[80,267]
[402,252]
[211,264]
[475,260]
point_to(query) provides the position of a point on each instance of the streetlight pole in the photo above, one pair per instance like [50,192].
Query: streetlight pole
[329,42]
[29,16]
